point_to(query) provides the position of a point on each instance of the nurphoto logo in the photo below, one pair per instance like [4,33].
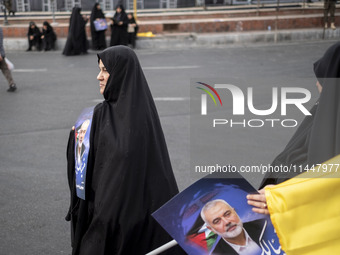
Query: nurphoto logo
[281,98]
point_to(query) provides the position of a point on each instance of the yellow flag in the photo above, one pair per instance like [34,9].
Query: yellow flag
[305,211]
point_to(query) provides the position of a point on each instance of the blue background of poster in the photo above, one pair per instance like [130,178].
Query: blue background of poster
[179,215]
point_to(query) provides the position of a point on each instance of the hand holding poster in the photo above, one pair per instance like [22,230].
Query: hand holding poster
[212,217]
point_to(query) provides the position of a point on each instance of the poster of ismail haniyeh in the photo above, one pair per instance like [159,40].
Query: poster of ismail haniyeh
[212,217]
[82,146]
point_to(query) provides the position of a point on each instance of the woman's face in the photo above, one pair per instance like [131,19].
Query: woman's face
[119,10]
[102,77]
[318,85]
[98,7]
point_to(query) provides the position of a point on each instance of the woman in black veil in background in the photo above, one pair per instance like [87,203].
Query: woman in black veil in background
[76,43]
[119,34]
[98,37]
[318,137]
[48,36]
[33,36]
[132,30]
[129,174]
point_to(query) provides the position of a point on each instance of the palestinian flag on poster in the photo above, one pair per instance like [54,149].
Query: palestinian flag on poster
[201,236]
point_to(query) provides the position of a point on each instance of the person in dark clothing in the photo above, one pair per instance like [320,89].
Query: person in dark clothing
[98,37]
[3,66]
[76,43]
[34,37]
[48,36]
[132,30]
[318,137]
[8,5]
[329,7]
[129,174]
[119,35]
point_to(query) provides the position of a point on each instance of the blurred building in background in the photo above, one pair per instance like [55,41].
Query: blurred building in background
[108,5]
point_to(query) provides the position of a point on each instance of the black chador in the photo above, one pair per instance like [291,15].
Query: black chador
[76,43]
[98,37]
[119,34]
[49,36]
[318,137]
[34,36]
[129,174]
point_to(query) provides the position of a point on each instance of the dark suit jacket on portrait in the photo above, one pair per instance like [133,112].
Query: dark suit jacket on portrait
[254,230]
[81,151]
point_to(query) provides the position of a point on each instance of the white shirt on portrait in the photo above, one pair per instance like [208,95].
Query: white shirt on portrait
[250,248]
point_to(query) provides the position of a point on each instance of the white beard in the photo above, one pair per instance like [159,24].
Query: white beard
[232,234]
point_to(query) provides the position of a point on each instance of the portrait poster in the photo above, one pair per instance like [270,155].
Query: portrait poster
[100,24]
[181,217]
[82,147]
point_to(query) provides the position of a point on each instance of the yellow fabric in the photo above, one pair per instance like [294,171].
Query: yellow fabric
[146,34]
[305,211]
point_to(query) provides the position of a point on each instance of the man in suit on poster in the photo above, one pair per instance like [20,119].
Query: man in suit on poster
[236,237]
[80,149]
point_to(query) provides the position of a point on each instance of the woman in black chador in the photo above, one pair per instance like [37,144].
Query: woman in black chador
[132,30]
[129,174]
[119,35]
[34,37]
[318,137]
[98,37]
[48,36]
[76,43]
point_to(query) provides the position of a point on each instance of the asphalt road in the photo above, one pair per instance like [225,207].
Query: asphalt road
[52,91]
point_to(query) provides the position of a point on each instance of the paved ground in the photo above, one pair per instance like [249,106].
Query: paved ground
[193,40]
[52,91]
